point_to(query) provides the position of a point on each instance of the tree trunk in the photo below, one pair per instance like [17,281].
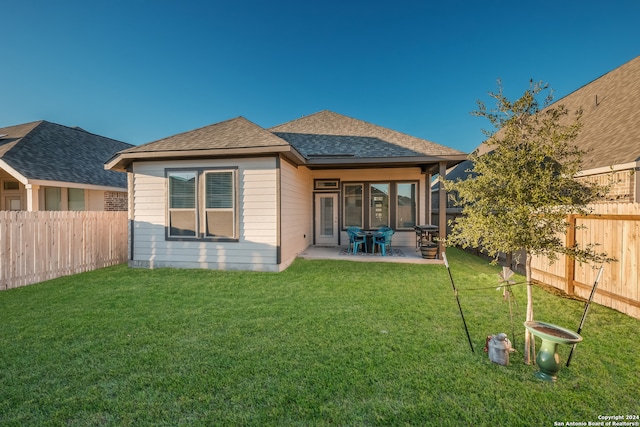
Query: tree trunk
[529,316]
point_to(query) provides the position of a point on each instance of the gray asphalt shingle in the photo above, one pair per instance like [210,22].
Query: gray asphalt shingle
[326,132]
[610,118]
[52,152]
[234,133]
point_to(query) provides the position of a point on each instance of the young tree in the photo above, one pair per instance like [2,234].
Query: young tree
[523,188]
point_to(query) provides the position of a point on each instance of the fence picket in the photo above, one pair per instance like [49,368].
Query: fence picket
[38,246]
[616,227]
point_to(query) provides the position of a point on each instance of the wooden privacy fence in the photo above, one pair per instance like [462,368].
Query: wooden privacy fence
[38,246]
[616,228]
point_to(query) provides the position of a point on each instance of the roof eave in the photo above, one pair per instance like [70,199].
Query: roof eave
[424,162]
[67,184]
[121,161]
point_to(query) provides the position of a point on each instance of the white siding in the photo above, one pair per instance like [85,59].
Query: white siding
[296,194]
[257,197]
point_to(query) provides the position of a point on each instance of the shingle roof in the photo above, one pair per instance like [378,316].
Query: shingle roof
[51,152]
[310,146]
[331,137]
[234,133]
[327,132]
[611,116]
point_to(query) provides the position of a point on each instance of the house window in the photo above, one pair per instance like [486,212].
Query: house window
[393,204]
[220,204]
[406,205]
[76,199]
[379,196]
[52,199]
[202,204]
[182,204]
[326,184]
[13,203]
[353,212]
[11,185]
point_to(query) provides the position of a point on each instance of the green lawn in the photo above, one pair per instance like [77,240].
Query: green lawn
[323,343]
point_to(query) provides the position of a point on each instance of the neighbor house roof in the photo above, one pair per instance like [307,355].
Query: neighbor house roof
[610,106]
[43,151]
[611,117]
[324,139]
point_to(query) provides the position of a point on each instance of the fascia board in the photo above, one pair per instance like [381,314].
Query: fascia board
[45,183]
[14,173]
[122,160]
[608,169]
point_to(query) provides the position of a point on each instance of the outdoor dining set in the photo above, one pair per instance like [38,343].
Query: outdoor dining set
[370,240]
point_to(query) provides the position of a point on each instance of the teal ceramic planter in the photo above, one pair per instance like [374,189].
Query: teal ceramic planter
[548,359]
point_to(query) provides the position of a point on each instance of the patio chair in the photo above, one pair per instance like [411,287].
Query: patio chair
[356,239]
[383,229]
[383,240]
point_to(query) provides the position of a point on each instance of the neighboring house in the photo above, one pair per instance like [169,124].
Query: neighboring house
[610,132]
[47,166]
[611,135]
[234,195]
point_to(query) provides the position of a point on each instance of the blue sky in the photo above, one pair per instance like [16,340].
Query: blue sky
[138,70]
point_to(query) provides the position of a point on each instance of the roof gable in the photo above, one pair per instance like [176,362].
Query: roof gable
[230,134]
[52,152]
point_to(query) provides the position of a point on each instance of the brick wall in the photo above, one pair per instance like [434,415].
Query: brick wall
[115,201]
[622,185]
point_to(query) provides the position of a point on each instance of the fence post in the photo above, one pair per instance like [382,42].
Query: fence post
[570,263]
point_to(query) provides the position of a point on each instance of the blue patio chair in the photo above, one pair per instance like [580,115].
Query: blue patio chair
[383,240]
[356,239]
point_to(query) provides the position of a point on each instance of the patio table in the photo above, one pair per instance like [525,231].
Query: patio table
[368,235]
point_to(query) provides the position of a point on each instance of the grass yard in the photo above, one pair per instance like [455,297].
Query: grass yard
[323,343]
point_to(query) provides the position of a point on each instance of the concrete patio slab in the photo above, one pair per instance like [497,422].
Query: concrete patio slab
[405,254]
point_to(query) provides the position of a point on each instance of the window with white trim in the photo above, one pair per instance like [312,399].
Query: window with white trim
[202,204]
[182,204]
[220,204]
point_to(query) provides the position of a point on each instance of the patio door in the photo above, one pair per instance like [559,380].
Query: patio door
[13,203]
[326,219]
